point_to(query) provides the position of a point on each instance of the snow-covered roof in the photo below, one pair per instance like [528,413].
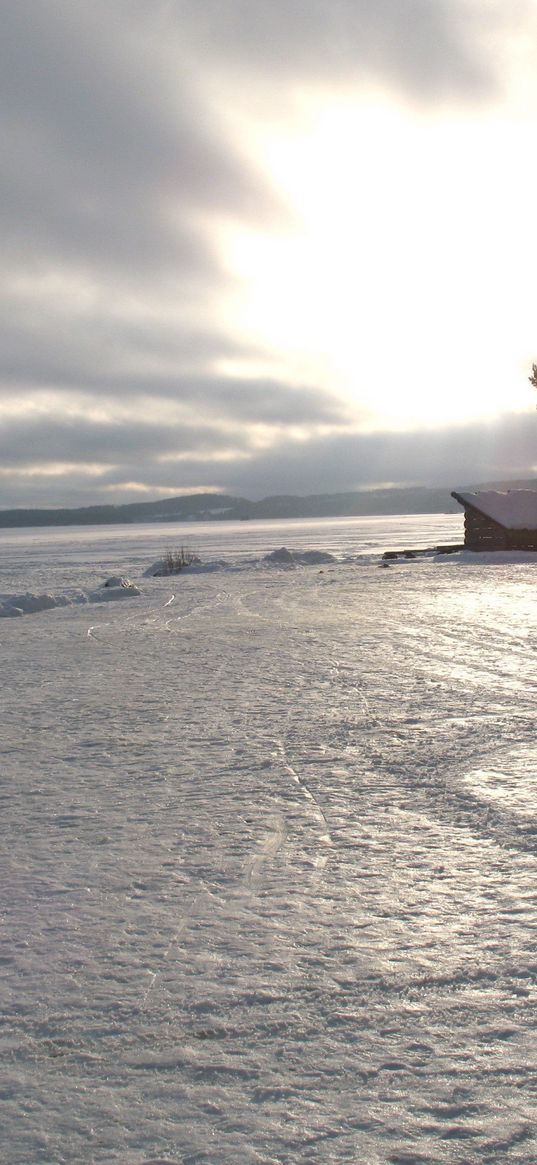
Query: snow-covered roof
[516,509]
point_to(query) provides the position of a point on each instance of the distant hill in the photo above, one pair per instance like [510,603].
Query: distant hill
[211,507]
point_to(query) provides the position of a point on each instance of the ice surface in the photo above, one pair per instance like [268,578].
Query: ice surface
[270,857]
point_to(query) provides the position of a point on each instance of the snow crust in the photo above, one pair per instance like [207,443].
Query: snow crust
[270,861]
[514,509]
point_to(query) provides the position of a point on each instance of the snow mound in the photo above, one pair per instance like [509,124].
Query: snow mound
[114,589]
[13,606]
[29,604]
[208,567]
[157,570]
[117,581]
[313,556]
[286,557]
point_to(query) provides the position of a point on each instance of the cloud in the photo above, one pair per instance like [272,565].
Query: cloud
[54,334]
[109,160]
[225,412]
[427,50]
[39,440]
[123,363]
[161,462]
[114,146]
[110,358]
[482,451]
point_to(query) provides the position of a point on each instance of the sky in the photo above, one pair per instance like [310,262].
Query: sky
[265,246]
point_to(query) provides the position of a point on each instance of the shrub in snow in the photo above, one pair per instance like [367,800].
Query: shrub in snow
[282,555]
[174,562]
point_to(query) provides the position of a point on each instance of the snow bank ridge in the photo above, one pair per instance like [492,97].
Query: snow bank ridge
[13,606]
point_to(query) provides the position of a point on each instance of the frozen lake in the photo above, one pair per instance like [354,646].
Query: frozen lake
[47,556]
[270,850]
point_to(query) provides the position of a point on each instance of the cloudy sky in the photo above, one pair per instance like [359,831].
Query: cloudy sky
[265,246]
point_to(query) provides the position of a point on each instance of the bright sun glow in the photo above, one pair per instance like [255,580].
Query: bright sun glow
[408,286]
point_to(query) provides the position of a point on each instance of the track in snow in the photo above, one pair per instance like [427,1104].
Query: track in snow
[271,875]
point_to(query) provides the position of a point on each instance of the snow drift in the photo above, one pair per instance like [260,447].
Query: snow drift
[13,606]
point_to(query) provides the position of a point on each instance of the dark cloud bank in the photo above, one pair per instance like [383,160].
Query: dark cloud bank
[476,453]
[116,160]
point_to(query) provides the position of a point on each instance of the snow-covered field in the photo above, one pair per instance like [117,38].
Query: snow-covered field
[269,856]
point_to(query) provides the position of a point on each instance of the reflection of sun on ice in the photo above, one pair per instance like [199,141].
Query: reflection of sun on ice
[396,288]
[513,786]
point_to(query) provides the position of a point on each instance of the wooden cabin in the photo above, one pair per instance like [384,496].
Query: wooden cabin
[499,521]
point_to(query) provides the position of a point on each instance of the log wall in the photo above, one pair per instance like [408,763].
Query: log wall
[481,533]
[522,539]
